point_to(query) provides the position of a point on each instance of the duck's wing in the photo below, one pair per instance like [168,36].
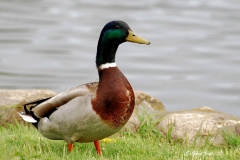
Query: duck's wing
[47,106]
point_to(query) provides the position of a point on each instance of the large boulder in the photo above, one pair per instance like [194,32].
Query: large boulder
[199,126]
[144,104]
[12,101]
[147,103]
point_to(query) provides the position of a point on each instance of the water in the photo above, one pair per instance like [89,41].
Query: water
[193,59]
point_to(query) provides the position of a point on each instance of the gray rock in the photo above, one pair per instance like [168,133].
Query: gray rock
[144,104]
[15,97]
[198,126]
[237,129]
[132,124]
[11,102]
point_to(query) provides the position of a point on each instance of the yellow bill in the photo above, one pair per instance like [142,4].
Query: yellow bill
[132,37]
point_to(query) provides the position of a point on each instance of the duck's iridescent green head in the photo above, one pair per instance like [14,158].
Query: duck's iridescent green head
[113,34]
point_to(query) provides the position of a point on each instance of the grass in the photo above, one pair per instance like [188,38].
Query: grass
[19,142]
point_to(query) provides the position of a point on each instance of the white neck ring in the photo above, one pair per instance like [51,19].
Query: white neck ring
[107,65]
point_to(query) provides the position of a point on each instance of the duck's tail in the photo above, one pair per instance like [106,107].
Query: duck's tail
[28,115]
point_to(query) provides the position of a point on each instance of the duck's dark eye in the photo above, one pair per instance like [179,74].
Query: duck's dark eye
[117,26]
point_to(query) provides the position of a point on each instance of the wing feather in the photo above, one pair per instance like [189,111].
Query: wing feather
[46,107]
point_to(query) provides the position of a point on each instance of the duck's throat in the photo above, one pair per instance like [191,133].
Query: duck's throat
[106,53]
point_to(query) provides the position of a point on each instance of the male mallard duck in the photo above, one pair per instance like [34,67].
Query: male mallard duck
[93,111]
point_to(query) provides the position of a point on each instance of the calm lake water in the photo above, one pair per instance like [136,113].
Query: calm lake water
[193,59]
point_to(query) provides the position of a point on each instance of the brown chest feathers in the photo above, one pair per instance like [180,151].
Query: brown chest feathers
[114,101]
